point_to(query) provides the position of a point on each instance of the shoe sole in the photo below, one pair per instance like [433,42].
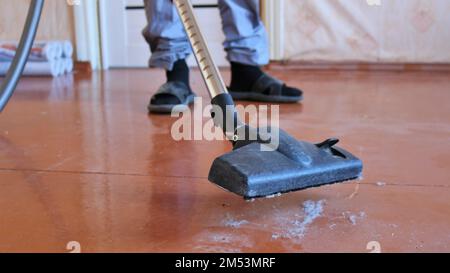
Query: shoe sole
[264,98]
[169,108]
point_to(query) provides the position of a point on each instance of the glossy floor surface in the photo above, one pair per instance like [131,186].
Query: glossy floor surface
[80,160]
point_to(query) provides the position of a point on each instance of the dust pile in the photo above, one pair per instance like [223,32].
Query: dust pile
[297,228]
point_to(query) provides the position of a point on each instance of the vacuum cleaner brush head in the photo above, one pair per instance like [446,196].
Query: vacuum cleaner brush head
[249,170]
[295,165]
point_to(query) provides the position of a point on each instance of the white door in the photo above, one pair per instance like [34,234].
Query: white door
[121,23]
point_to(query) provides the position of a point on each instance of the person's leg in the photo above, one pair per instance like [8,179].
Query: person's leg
[246,45]
[246,38]
[165,34]
[169,46]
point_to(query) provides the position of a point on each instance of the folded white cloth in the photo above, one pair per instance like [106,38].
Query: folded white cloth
[67,49]
[53,68]
[68,65]
[47,58]
[40,52]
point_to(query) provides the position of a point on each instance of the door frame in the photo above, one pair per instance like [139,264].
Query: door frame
[107,11]
[272,14]
[90,19]
[87,32]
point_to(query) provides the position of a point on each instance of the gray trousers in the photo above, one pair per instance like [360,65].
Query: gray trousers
[245,42]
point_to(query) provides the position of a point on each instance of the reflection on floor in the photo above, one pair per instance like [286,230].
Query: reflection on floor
[80,160]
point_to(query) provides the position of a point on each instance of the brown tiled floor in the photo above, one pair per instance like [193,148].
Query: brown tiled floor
[80,160]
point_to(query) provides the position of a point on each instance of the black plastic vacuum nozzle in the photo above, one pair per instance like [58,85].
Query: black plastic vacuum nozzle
[295,165]
[263,162]
[259,166]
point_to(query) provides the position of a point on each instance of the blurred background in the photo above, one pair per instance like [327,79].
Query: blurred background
[82,161]
[107,33]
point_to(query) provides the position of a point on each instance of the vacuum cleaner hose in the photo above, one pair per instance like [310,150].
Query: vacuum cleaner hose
[26,41]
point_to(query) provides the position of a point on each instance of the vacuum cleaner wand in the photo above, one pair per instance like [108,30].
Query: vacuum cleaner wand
[15,71]
[211,75]
[209,70]
[249,170]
